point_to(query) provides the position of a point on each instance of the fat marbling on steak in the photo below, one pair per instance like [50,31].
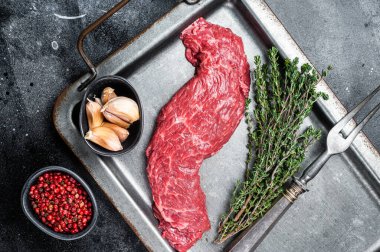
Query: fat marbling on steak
[198,120]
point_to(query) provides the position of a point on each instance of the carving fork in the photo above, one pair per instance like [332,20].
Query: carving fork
[251,238]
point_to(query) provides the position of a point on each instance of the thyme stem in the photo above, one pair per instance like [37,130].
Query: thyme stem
[284,98]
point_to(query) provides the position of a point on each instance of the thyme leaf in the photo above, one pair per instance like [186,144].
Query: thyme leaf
[275,146]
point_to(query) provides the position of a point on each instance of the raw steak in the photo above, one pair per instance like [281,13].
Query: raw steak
[198,120]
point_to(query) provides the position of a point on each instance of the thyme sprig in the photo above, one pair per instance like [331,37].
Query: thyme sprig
[283,100]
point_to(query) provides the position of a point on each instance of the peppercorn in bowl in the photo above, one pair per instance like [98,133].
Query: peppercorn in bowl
[60,203]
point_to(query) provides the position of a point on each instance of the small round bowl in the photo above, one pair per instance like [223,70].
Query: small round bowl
[28,210]
[122,88]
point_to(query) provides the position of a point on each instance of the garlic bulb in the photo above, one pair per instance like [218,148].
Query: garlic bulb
[121,111]
[108,94]
[94,116]
[120,132]
[105,137]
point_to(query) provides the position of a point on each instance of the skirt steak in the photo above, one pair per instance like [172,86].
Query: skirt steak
[198,120]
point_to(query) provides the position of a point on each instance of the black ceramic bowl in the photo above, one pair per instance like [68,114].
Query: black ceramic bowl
[122,88]
[28,210]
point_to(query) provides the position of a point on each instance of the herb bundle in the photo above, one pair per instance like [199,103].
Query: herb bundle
[283,100]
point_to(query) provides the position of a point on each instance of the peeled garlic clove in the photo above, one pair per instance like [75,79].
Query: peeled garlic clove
[116,120]
[94,116]
[120,132]
[122,108]
[108,94]
[104,137]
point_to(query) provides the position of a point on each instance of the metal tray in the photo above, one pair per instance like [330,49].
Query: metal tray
[340,213]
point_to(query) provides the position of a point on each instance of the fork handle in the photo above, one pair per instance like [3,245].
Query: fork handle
[312,170]
[252,237]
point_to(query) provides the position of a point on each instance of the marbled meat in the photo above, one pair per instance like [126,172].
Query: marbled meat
[198,120]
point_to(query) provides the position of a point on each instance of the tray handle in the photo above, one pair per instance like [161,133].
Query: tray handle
[92,27]
[83,35]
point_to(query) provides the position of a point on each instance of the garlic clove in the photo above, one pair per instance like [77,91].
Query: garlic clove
[94,116]
[108,94]
[120,132]
[104,137]
[98,101]
[116,120]
[123,108]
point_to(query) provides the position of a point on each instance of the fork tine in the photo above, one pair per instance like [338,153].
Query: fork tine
[340,125]
[359,127]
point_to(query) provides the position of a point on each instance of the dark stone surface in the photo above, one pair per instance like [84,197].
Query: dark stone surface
[32,74]
[345,34]
[33,71]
